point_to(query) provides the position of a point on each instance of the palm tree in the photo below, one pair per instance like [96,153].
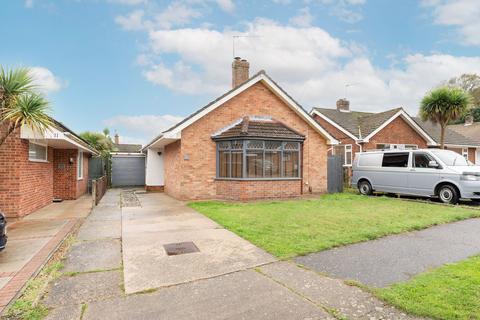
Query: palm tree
[99,141]
[19,104]
[443,105]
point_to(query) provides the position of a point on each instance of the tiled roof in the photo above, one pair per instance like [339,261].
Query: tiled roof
[452,136]
[472,131]
[127,148]
[61,127]
[354,121]
[259,128]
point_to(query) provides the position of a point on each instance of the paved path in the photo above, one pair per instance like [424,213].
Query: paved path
[32,240]
[219,282]
[391,259]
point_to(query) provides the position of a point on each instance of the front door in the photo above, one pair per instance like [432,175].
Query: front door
[422,179]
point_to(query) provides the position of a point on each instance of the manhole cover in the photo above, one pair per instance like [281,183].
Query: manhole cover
[174,249]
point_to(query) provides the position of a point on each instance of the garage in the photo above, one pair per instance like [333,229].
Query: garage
[128,170]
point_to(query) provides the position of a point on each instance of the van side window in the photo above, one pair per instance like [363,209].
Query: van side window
[398,160]
[421,160]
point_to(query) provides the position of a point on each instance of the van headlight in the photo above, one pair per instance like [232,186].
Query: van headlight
[470,176]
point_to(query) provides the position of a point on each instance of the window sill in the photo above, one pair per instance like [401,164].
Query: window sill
[38,160]
[257,179]
[79,179]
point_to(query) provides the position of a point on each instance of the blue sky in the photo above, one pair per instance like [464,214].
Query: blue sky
[138,66]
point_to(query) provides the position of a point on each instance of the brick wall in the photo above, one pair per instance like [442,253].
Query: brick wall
[25,185]
[251,190]
[66,186]
[195,178]
[337,134]
[398,131]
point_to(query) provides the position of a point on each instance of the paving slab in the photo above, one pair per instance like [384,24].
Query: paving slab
[98,229]
[4,281]
[104,254]
[27,229]
[241,295]
[350,302]
[108,213]
[85,287]
[396,258]
[69,209]
[65,313]
[19,252]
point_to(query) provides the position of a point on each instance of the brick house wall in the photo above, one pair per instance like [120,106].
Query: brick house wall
[66,185]
[252,190]
[337,134]
[27,186]
[471,152]
[398,131]
[195,178]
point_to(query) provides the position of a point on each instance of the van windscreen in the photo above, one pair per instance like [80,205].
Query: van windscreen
[397,160]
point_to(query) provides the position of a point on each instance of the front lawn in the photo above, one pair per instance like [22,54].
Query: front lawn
[297,227]
[449,292]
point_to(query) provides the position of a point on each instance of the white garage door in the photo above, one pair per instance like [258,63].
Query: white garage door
[128,171]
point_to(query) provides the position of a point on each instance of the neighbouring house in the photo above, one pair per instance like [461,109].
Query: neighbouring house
[461,138]
[362,131]
[128,164]
[37,168]
[253,142]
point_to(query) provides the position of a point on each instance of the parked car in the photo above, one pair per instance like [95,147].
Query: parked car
[3,231]
[426,172]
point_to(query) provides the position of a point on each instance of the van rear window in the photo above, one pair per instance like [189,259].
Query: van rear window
[398,160]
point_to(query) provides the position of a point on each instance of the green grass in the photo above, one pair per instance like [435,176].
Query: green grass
[449,292]
[297,227]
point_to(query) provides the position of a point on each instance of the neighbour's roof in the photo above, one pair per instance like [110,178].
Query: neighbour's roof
[251,127]
[452,137]
[127,148]
[471,131]
[355,121]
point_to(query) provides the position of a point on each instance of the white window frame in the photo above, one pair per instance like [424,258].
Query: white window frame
[80,165]
[348,150]
[41,145]
[465,153]
[397,146]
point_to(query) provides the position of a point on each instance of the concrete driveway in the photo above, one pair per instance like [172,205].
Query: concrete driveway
[161,220]
[395,258]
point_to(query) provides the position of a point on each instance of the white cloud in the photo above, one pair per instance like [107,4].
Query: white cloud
[462,14]
[308,62]
[128,2]
[303,19]
[28,4]
[141,128]
[46,80]
[226,5]
[132,21]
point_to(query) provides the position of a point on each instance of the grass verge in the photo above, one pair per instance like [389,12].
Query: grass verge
[449,292]
[297,227]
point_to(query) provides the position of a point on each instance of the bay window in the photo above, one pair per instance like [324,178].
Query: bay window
[258,159]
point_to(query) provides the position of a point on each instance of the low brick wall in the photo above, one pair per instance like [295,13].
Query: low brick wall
[244,190]
[154,188]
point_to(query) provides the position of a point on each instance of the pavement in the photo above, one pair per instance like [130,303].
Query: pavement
[33,239]
[228,278]
[388,260]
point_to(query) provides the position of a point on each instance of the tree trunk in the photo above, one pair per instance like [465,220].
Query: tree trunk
[4,134]
[442,135]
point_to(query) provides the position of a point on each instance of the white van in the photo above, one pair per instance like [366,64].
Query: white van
[426,172]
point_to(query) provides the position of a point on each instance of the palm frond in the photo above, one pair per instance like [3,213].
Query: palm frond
[29,110]
[15,82]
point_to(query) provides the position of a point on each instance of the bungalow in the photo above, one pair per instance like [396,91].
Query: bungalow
[253,142]
[363,131]
[37,168]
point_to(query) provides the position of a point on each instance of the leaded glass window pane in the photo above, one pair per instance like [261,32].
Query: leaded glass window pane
[224,163]
[237,145]
[290,164]
[237,164]
[255,144]
[254,164]
[273,145]
[224,145]
[272,164]
[291,146]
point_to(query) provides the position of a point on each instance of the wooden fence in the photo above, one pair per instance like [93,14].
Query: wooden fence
[99,187]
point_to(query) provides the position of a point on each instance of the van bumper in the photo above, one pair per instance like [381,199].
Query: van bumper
[470,189]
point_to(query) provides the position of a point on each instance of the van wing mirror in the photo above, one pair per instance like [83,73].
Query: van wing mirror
[433,164]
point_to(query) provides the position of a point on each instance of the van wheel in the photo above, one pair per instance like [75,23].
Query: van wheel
[448,194]
[365,188]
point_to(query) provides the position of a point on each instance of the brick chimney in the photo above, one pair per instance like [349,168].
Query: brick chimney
[343,105]
[240,71]
[117,139]
[468,120]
